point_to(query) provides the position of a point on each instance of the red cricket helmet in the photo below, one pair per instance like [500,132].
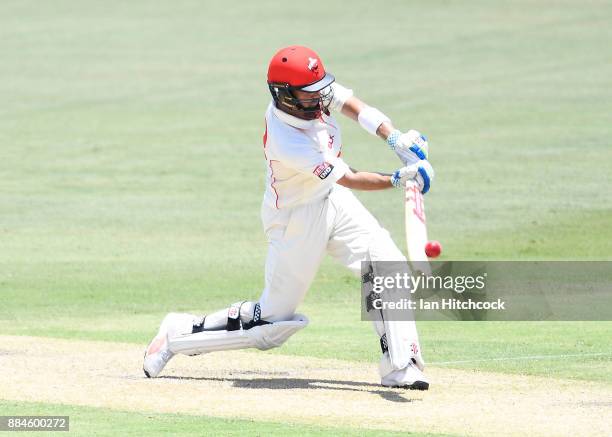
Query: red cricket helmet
[299,68]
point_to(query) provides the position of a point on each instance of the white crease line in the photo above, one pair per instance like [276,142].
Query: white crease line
[526,358]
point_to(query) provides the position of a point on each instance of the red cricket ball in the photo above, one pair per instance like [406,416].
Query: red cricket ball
[433,249]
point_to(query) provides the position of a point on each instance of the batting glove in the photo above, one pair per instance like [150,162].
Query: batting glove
[410,147]
[422,172]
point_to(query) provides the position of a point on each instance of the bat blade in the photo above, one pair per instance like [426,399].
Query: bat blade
[416,228]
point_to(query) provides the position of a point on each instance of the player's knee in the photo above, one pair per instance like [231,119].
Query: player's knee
[267,329]
[276,333]
[275,311]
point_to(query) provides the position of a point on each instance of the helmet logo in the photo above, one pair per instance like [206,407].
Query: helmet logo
[313,64]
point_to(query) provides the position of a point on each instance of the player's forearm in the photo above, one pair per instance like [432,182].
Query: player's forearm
[366,181]
[354,106]
[384,130]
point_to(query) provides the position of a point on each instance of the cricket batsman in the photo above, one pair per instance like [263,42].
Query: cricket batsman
[309,210]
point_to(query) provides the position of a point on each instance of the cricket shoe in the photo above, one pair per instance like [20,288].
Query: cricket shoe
[409,377]
[158,352]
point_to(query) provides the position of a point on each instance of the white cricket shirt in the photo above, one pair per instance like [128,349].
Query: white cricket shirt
[303,157]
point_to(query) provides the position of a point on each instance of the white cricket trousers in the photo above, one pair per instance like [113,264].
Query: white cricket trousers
[300,236]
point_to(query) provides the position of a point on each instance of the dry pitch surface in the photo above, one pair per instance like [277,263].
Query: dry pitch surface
[277,388]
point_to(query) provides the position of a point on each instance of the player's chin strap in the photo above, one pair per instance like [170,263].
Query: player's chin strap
[240,332]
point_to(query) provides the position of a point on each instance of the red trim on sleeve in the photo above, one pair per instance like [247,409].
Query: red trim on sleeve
[273,181]
[265,141]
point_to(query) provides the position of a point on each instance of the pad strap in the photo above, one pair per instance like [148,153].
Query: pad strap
[383,343]
[256,321]
[234,320]
[233,317]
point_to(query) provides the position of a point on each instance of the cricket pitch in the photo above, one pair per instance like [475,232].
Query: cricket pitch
[273,387]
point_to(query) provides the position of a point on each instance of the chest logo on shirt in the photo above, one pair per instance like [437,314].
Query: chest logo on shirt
[330,142]
[323,170]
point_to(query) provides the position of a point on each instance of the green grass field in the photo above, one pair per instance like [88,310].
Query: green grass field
[132,167]
[95,421]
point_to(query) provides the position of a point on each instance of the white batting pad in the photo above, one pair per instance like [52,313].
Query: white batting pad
[262,337]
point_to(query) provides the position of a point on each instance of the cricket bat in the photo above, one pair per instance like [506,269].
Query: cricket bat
[416,229]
